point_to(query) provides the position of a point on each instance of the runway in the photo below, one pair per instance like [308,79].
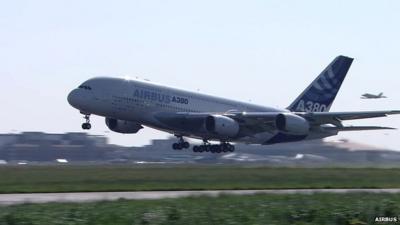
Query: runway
[14,199]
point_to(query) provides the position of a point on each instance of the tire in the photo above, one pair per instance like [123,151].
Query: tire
[218,148]
[86,126]
[201,149]
[185,144]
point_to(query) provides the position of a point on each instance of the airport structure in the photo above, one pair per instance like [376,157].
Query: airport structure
[44,147]
[82,148]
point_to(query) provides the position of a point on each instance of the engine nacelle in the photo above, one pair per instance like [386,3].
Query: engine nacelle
[122,126]
[292,123]
[222,126]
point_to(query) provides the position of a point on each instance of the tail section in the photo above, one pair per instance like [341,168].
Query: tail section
[320,94]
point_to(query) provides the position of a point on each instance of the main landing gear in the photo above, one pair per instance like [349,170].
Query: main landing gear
[86,125]
[181,144]
[206,147]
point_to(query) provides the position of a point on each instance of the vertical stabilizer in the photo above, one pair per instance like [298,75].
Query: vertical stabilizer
[320,94]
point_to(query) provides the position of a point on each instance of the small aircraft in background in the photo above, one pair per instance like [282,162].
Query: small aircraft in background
[372,96]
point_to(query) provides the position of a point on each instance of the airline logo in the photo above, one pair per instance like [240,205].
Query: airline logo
[155,96]
[323,90]
[321,93]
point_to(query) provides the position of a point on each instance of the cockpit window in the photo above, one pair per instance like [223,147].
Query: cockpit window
[85,87]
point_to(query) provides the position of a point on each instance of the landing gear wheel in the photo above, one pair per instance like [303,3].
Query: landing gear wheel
[201,149]
[221,148]
[182,144]
[176,146]
[218,149]
[231,148]
[211,148]
[86,126]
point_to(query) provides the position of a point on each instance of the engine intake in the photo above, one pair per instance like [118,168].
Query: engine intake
[291,123]
[222,125]
[122,126]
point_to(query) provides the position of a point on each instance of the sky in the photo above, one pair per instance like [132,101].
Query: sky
[259,51]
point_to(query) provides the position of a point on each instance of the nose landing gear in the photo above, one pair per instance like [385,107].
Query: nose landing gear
[86,125]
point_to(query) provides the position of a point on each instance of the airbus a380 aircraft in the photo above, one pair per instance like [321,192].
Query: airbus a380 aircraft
[128,105]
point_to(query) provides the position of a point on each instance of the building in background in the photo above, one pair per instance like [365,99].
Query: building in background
[82,148]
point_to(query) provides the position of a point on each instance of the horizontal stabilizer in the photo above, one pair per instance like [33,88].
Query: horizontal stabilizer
[356,128]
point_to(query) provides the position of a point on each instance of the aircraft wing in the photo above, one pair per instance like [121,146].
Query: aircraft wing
[315,115]
[329,116]
[254,122]
[315,118]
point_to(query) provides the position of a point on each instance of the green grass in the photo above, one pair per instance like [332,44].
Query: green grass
[320,209]
[132,178]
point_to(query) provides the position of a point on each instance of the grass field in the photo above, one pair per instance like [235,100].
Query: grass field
[132,178]
[320,209]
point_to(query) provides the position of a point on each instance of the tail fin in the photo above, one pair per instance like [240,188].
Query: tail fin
[320,94]
[380,94]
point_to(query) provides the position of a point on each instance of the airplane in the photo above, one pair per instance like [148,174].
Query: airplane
[372,96]
[130,104]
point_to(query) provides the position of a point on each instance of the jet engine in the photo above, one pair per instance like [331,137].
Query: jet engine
[292,123]
[222,126]
[122,126]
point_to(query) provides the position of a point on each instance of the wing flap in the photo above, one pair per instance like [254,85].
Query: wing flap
[261,121]
[358,128]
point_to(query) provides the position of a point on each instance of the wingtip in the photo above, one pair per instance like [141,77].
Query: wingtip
[389,128]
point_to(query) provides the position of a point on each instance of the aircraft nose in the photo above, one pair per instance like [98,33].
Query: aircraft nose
[73,98]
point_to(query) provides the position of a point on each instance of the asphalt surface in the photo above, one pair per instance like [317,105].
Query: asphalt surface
[13,199]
